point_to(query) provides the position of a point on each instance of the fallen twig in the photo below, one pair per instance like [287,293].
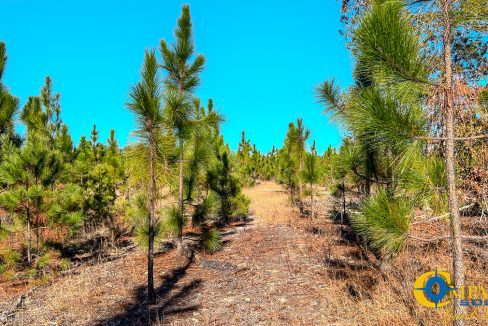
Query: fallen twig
[433,239]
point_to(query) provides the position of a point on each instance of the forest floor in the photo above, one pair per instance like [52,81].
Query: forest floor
[278,269]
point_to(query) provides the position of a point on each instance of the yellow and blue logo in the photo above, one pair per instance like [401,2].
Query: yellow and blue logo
[434,290]
[431,289]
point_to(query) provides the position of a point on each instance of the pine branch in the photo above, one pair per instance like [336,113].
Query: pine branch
[358,174]
[404,74]
[330,94]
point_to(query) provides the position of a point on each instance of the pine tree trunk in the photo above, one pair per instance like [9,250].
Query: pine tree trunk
[448,106]
[29,238]
[311,200]
[180,186]
[38,249]
[343,201]
[225,210]
[151,294]
[180,197]
[300,185]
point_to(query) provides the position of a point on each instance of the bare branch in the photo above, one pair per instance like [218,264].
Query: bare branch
[439,139]
[433,239]
[471,238]
[440,217]
[476,238]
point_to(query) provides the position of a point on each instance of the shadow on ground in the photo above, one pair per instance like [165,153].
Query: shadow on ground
[172,299]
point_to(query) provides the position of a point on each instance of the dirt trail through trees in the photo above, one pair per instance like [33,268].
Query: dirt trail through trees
[278,269]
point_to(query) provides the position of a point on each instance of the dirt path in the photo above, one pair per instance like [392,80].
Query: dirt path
[277,270]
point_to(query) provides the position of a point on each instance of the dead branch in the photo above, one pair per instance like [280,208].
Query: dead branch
[470,238]
[439,139]
[440,217]
[433,239]
[476,239]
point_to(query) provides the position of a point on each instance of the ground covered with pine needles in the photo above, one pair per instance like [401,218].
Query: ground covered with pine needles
[279,268]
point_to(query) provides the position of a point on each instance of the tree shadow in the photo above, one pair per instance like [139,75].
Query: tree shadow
[172,298]
[92,249]
[350,265]
[478,230]
[340,217]
[316,230]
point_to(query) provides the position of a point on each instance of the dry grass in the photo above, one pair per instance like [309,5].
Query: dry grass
[270,204]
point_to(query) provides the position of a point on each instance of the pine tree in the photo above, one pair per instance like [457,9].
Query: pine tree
[225,184]
[35,190]
[310,174]
[400,67]
[114,160]
[394,74]
[270,164]
[288,164]
[201,152]
[146,106]
[181,81]
[291,158]
[29,173]
[79,171]
[243,157]
[301,135]
[63,144]
[97,170]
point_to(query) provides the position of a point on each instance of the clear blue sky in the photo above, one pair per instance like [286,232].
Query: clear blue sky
[263,60]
